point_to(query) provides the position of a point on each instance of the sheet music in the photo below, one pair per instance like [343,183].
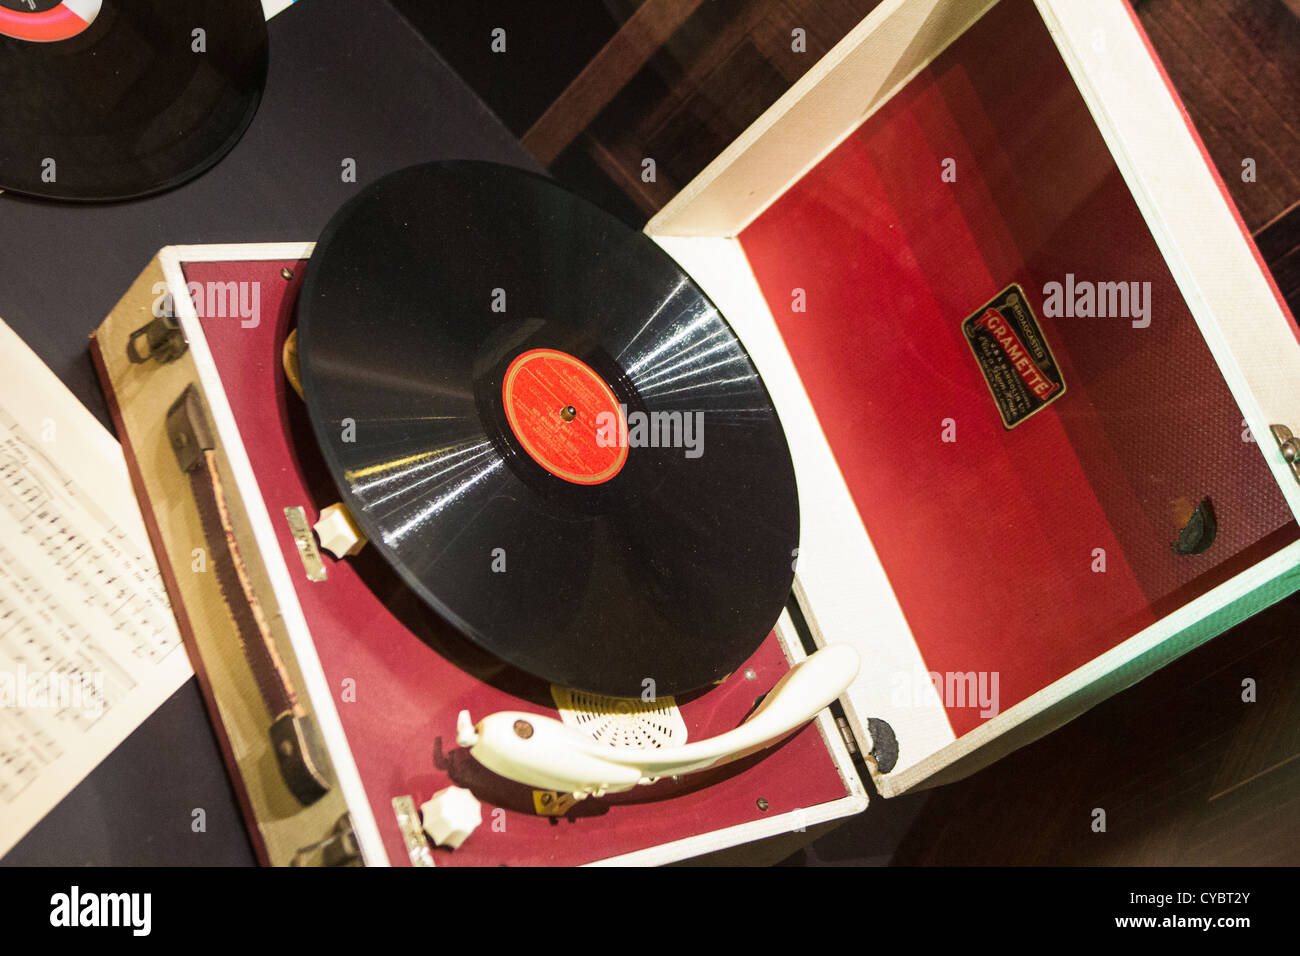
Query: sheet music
[88,644]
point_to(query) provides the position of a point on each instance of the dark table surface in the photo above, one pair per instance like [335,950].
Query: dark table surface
[1191,774]
[349,79]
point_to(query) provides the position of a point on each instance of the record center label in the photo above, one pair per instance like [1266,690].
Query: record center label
[46,21]
[1013,354]
[555,405]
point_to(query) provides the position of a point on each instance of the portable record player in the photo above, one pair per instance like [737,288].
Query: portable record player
[338,694]
[1038,394]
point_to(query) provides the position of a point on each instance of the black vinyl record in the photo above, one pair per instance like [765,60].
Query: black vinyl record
[548,430]
[115,99]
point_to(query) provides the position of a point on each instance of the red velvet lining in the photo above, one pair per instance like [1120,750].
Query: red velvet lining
[991,541]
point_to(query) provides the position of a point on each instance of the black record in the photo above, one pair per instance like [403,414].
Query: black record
[115,99]
[463,330]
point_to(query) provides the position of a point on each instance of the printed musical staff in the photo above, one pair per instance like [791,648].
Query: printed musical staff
[88,644]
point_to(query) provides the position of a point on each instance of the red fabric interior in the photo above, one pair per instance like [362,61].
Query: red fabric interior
[990,541]
[413,674]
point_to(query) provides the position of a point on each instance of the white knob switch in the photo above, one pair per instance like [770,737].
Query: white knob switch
[338,532]
[451,815]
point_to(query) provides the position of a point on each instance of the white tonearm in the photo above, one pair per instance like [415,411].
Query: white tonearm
[543,752]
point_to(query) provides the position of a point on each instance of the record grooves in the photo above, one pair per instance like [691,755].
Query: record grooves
[462,328]
[107,100]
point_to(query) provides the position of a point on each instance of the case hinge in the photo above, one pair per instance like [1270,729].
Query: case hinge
[846,732]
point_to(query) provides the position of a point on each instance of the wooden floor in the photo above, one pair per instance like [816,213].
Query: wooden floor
[1236,64]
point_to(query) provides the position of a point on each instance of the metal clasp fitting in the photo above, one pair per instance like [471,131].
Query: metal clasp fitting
[164,338]
[1290,446]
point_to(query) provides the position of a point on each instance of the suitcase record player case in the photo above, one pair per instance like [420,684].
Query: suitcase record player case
[1038,389]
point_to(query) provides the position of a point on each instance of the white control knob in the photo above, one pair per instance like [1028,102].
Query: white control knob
[451,815]
[338,532]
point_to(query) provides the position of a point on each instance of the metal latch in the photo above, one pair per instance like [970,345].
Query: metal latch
[164,339]
[1290,446]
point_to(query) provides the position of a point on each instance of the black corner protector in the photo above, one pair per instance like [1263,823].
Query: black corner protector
[338,848]
[187,429]
[1199,532]
[297,752]
[884,744]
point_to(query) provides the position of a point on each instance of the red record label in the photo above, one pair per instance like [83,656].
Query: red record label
[565,416]
[45,22]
